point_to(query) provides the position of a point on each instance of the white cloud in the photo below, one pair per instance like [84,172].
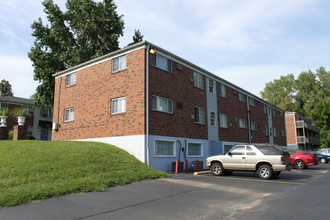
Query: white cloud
[19,72]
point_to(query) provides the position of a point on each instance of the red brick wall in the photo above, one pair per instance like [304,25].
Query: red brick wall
[258,116]
[290,128]
[233,108]
[179,87]
[90,97]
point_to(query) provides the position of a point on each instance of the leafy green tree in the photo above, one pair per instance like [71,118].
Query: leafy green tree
[281,92]
[5,88]
[138,37]
[321,118]
[86,30]
[308,95]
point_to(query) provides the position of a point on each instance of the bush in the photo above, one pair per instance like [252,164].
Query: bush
[11,135]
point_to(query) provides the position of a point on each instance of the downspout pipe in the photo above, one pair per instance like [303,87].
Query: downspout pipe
[146,142]
[249,118]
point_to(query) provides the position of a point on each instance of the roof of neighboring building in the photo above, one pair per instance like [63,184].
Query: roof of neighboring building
[16,100]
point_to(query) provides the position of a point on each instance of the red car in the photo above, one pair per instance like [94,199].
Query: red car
[301,159]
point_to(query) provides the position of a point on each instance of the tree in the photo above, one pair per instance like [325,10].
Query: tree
[5,88]
[309,95]
[281,92]
[85,31]
[138,37]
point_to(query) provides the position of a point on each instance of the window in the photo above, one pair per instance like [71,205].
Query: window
[253,126]
[252,101]
[265,109]
[29,110]
[118,105]
[250,151]
[222,91]
[227,148]
[212,119]
[198,80]
[269,149]
[211,85]
[29,131]
[119,63]
[274,132]
[283,133]
[3,106]
[273,113]
[165,148]
[161,62]
[71,79]
[242,123]
[238,150]
[162,104]
[199,115]
[69,114]
[223,121]
[45,113]
[241,97]
[266,130]
[195,150]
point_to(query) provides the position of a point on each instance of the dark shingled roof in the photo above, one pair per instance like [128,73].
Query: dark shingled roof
[16,100]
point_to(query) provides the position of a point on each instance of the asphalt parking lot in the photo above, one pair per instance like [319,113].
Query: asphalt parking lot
[296,194]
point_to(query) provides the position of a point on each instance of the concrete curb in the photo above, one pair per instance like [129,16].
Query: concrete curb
[202,172]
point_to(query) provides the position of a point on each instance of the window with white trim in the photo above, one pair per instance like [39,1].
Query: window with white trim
[68,114]
[253,126]
[223,121]
[45,113]
[162,104]
[222,91]
[266,131]
[4,106]
[29,131]
[242,123]
[71,79]
[211,85]
[199,115]
[118,105]
[164,148]
[119,63]
[241,97]
[198,80]
[161,62]
[273,113]
[252,101]
[212,118]
[265,108]
[274,132]
[195,150]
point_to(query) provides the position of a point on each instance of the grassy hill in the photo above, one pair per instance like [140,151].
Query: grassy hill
[37,170]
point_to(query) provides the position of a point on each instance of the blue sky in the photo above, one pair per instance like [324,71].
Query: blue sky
[247,42]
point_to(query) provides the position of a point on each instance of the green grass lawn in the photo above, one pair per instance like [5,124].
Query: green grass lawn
[37,170]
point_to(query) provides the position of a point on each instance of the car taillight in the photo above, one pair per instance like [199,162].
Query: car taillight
[282,159]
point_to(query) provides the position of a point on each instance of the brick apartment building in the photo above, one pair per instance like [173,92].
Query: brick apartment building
[37,122]
[301,134]
[155,104]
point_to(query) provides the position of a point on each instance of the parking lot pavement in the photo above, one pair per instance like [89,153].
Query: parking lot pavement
[185,196]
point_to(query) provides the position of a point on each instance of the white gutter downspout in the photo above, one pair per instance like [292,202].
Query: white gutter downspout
[249,117]
[146,143]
